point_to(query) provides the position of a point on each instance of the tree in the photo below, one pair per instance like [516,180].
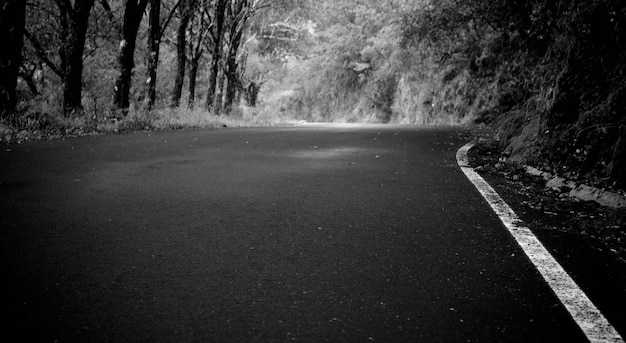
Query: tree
[12,19]
[42,34]
[201,24]
[156,30]
[154,39]
[239,12]
[60,37]
[228,83]
[252,93]
[74,19]
[133,12]
[185,12]
[216,38]
[194,22]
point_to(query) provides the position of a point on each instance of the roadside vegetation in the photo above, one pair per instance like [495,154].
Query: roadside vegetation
[548,76]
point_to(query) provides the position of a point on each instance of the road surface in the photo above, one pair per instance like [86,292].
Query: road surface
[310,234]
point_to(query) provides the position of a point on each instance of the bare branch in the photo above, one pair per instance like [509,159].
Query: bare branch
[169,18]
[41,53]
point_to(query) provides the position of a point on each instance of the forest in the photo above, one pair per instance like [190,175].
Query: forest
[549,76]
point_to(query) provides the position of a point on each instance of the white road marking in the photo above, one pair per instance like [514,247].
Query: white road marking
[584,312]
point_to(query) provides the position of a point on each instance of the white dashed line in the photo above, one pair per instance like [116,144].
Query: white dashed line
[584,312]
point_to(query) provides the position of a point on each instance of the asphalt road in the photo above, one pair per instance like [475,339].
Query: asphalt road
[309,234]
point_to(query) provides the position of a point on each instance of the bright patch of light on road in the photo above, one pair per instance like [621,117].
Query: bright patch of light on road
[316,153]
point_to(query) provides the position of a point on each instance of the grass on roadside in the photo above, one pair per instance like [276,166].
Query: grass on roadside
[25,125]
[241,116]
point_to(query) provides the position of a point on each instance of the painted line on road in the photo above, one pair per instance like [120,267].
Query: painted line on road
[595,326]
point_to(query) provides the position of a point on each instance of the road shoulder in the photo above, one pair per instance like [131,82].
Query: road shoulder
[600,276]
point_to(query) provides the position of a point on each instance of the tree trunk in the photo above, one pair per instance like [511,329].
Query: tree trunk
[12,16]
[193,72]
[231,71]
[252,93]
[218,100]
[196,49]
[133,13]
[154,41]
[239,12]
[181,58]
[74,22]
[213,71]
[211,95]
[231,85]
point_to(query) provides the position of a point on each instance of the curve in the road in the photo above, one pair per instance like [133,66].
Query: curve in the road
[591,321]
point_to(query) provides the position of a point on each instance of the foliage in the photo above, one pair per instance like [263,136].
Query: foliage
[343,72]
[548,75]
